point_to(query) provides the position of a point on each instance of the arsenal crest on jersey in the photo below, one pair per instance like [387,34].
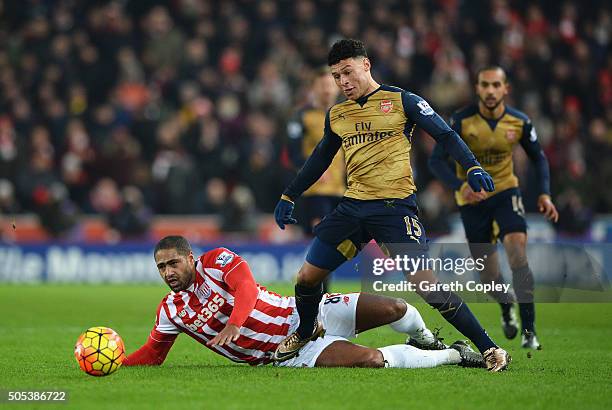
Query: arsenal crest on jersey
[511,135]
[386,106]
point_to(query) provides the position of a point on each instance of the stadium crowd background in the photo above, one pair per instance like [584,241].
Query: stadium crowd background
[135,108]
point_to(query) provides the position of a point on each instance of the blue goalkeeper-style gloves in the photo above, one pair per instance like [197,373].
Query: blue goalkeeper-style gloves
[283,212]
[478,178]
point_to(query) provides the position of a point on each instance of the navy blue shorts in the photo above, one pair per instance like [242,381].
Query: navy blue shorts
[491,219]
[355,222]
[312,208]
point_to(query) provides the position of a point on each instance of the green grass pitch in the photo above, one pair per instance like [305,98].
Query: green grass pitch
[40,324]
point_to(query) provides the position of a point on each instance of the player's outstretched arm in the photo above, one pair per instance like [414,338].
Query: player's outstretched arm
[417,109]
[153,352]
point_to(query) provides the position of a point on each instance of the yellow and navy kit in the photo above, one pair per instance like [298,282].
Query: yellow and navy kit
[305,131]
[492,141]
[375,133]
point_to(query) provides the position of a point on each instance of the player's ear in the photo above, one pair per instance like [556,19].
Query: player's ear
[366,64]
[191,258]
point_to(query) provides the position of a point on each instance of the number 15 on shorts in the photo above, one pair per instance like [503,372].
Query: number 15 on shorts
[413,228]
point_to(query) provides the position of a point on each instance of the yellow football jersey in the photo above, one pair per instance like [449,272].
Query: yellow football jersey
[492,142]
[376,145]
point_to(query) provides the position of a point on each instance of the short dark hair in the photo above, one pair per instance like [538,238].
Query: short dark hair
[346,48]
[179,243]
[491,67]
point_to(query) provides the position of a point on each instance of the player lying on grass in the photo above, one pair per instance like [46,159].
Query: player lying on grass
[216,301]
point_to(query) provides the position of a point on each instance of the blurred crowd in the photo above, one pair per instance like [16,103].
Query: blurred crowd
[134,108]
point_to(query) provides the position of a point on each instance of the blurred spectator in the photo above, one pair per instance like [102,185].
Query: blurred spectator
[41,189]
[56,211]
[575,218]
[8,202]
[133,219]
[119,155]
[105,197]
[78,161]
[173,171]
[239,212]
[261,170]
[270,90]
[164,43]
[9,149]
[125,211]
[598,154]
[214,159]
[215,197]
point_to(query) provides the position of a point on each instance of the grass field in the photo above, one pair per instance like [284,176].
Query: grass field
[39,325]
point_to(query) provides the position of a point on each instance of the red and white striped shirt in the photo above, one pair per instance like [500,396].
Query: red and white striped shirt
[202,311]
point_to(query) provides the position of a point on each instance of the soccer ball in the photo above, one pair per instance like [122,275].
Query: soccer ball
[99,351]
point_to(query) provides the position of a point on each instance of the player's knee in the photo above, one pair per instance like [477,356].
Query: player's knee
[396,309]
[516,240]
[515,244]
[306,278]
[310,275]
[371,358]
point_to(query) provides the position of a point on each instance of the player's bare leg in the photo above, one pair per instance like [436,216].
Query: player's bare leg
[343,353]
[491,273]
[375,311]
[346,354]
[457,313]
[308,294]
[515,244]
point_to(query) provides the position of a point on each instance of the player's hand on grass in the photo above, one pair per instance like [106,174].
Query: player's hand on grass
[283,213]
[546,206]
[230,333]
[479,179]
[470,196]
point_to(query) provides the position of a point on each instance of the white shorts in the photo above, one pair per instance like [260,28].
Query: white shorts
[337,313]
